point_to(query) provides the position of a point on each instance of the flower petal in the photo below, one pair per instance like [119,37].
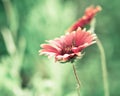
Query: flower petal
[79,34]
[89,14]
[49,48]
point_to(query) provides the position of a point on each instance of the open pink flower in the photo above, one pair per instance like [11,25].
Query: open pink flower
[69,46]
[89,14]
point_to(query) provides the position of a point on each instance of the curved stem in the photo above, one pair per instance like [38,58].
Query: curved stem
[77,79]
[103,60]
[104,68]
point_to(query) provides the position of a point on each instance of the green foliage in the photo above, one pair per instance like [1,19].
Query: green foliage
[25,24]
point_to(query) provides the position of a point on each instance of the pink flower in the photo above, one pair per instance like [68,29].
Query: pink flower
[69,46]
[89,14]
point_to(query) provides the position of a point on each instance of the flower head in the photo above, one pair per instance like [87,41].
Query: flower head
[69,46]
[89,14]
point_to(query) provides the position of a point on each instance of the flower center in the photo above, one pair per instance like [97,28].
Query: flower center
[67,50]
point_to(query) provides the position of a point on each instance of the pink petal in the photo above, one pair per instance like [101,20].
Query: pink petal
[89,14]
[79,34]
[49,48]
[57,42]
[90,38]
[65,57]
[69,38]
[82,39]
[75,49]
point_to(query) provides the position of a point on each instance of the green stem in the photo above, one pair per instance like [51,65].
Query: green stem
[77,79]
[104,68]
[103,60]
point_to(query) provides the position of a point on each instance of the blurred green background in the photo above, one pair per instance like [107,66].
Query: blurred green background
[25,24]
